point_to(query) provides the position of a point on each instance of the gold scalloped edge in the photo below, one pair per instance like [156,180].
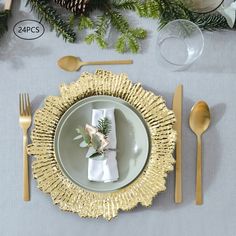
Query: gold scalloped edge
[71,197]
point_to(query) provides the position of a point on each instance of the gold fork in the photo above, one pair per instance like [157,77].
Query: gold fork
[25,122]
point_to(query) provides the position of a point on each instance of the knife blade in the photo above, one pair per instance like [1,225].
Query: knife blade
[177,108]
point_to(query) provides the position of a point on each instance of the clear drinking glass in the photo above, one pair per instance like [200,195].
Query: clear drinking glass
[179,44]
[202,6]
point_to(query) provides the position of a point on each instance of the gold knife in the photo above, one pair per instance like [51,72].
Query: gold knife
[177,108]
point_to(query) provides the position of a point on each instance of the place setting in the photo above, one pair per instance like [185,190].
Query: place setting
[104,144]
[100,142]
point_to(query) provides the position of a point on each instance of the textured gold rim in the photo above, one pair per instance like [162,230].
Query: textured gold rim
[151,181]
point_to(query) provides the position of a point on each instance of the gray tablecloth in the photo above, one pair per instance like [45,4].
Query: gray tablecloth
[31,66]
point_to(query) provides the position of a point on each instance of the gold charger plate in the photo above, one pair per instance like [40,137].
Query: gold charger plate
[151,181]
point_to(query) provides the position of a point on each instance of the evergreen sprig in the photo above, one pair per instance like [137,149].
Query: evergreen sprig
[172,10]
[129,37]
[168,10]
[148,8]
[100,31]
[85,23]
[210,22]
[49,14]
[132,5]
[3,21]
[104,126]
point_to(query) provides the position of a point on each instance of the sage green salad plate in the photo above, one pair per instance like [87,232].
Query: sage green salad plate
[132,142]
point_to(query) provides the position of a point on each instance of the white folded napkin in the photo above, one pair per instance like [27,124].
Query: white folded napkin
[105,170]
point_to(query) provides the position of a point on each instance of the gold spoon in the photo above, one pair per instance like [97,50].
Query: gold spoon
[199,121]
[71,63]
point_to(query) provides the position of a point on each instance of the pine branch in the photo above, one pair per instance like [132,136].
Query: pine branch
[149,8]
[100,31]
[118,21]
[125,4]
[85,23]
[128,39]
[210,22]
[49,14]
[72,20]
[175,9]
[3,22]
[104,126]
[171,10]
[121,44]
[102,25]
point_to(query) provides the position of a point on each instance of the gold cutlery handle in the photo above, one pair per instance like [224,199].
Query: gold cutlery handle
[26,196]
[115,62]
[199,172]
[178,108]
[178,172]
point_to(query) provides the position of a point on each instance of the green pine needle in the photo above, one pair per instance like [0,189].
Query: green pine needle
[72,20]
[121,44]
[100,32]
[131,5]
[149,9]
[128,41]
[168,10]
[49,14]
[90,38]
[128,38]
[171,10]
[211,22]
[85,23]
[139,33]
[104,126]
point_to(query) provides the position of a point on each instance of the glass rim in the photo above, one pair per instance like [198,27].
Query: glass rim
[200,51]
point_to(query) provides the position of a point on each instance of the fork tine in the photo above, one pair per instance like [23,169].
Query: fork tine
[28,104]
[25,104]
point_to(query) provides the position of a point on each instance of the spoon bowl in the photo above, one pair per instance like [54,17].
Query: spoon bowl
[69,63]
[72,63]
[199,121]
